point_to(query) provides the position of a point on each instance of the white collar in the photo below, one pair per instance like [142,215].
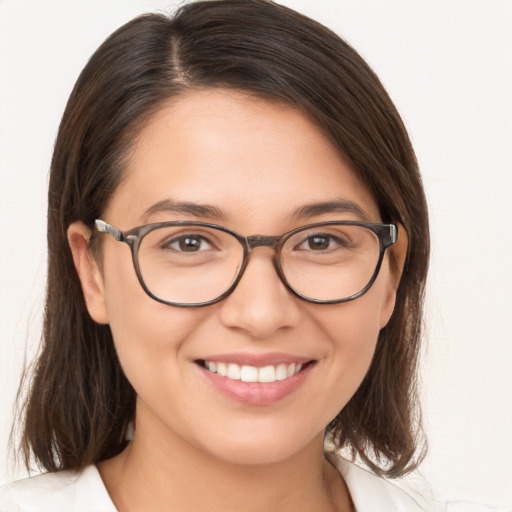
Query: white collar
[84,490]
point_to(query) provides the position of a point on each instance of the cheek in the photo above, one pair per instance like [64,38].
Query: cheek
[354,326]
[353,334]
[352,331]
[147,334]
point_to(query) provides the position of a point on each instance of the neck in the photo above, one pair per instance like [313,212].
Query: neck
[164,472]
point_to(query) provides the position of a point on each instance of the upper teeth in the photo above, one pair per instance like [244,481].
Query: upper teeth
[253,373]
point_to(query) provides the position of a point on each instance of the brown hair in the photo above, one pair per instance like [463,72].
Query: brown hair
[80,403]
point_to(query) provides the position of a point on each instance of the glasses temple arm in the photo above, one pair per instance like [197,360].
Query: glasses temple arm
[102,227]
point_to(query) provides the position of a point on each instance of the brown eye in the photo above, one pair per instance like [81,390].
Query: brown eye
[188,243]
[318,243]
[322,242]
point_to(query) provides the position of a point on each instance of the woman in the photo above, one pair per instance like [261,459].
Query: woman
[268,307]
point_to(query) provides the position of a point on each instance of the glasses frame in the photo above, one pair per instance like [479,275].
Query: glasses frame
[387,235]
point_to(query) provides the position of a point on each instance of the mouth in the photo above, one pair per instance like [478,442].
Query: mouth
[260,374]
[256,380]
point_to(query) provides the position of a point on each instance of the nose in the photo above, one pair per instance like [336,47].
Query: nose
[260,305]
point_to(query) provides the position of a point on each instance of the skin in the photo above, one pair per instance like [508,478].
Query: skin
[194,448]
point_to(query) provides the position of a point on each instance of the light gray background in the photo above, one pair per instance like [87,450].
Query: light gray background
[448,67]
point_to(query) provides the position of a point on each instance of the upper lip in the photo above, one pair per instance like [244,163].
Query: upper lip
[258,360]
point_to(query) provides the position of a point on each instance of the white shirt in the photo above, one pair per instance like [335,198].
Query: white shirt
[84,491]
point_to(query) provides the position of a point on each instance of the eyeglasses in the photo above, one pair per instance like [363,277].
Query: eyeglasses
[193,264]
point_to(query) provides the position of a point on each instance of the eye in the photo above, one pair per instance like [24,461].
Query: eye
[188,243]
[322,242]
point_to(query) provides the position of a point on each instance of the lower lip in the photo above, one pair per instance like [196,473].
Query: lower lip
[257,393]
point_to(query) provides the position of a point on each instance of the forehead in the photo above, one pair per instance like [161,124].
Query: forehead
[252,159]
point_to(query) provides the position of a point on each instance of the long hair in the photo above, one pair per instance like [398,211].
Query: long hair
[80,404]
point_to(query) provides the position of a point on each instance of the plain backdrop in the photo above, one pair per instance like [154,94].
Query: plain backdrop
[448,67]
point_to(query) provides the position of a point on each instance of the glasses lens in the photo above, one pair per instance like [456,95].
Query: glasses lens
[330,262]
[189,264]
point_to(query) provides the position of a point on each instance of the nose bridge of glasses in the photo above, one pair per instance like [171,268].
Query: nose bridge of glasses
[272,242]
[263,241]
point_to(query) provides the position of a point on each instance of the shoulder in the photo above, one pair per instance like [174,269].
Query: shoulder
[371,493]
[73,491]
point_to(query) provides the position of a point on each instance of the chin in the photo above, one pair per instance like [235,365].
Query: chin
[255,447]
[262,455]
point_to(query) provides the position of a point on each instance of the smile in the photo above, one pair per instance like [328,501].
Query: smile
[245,373]
[256,380]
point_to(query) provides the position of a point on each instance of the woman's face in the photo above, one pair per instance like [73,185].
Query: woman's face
[256,163]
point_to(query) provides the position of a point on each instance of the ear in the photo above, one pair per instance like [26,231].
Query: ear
[88,271]
[397,257]
[398,252]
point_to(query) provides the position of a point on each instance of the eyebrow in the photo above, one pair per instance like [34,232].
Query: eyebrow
[336,206]
[213,212]
[194,209]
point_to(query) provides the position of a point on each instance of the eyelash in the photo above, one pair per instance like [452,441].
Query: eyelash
[182,238]
[331,238]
